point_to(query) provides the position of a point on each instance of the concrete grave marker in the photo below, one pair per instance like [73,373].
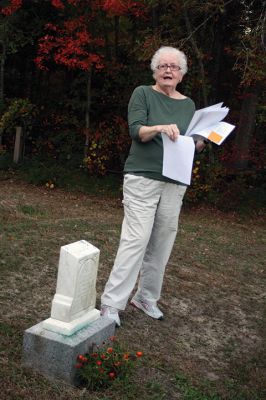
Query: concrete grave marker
[73,305]
[51,347]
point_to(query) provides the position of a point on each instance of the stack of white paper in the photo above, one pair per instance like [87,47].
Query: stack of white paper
[206,122]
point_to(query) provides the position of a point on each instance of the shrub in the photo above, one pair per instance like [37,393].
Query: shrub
[108,145]
[20,112]
[217,181]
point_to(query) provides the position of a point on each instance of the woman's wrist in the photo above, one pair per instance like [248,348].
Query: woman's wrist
[146,133]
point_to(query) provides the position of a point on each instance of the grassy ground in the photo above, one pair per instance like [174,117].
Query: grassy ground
[211,344]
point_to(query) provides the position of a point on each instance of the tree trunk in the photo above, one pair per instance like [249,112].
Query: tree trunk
[198,55]
[116,33]
[217,59]
[2,72]
[246,126]
[87,112]
[155,17]
[2,91]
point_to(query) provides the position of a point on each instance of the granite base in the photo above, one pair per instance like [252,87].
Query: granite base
[55,355]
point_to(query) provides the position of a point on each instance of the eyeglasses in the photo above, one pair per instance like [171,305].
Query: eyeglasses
[173,67]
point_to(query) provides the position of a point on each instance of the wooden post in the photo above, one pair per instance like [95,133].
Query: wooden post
[18,144]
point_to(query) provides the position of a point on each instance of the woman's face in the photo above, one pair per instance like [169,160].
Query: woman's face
[166,78]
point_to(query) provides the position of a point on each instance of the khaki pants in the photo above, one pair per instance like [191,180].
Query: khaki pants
[151,212]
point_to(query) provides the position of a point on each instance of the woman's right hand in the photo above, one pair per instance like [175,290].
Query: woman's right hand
[171,131]
[146,133]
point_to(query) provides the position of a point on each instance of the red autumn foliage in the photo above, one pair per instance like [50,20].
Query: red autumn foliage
[58,4]
[12,8]
[123,7]
[70,45]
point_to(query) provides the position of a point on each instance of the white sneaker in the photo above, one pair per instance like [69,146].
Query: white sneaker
[150,308]
[112,313]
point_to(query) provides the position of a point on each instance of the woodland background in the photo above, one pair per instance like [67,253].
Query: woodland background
[68,68]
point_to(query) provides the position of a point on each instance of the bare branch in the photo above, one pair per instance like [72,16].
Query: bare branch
[183,41]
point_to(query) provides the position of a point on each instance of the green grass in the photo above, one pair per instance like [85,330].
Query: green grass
[189,392]
[31,210]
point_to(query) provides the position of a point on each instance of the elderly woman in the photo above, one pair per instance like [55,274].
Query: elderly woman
[152,202]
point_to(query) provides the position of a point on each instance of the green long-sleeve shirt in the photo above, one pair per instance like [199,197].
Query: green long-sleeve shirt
[147,107]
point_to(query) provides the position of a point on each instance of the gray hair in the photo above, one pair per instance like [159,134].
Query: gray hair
[182,59]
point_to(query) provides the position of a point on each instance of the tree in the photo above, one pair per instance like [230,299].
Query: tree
[251,64]
[77,40]
[10,39]
[72,44]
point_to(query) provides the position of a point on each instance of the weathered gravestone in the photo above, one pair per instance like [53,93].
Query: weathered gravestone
[73,305]
[52,346]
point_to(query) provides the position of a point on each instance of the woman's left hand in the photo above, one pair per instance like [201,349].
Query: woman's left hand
[200,145]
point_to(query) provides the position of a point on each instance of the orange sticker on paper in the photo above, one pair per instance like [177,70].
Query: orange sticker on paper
[215,137]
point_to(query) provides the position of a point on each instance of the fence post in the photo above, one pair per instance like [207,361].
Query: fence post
[18,144]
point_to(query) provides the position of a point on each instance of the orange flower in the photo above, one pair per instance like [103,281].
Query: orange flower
[117,364]
[82,358]
[112,338]
[109,350]
[139,354]
[126,356]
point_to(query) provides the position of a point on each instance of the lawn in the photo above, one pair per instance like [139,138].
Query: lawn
[211,344]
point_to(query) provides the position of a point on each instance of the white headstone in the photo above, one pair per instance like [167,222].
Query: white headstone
[73,306]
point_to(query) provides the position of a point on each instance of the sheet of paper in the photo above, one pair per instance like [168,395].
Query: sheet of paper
[207,123]
[205,118]
[218,133]
[178,158]
[198,115]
